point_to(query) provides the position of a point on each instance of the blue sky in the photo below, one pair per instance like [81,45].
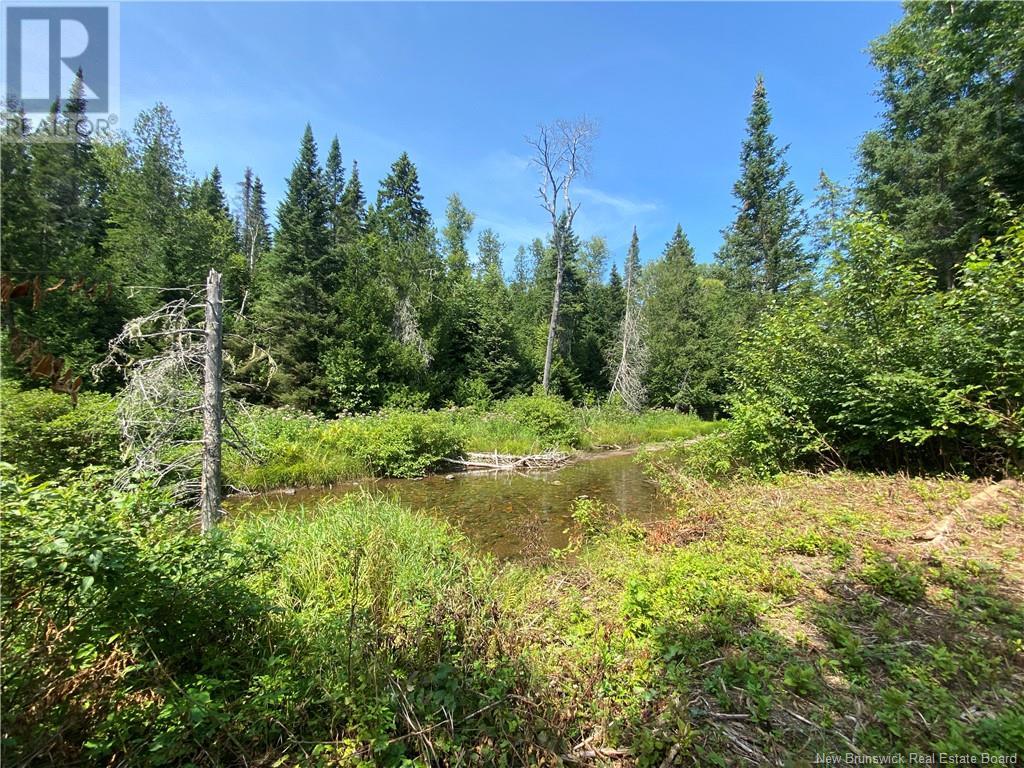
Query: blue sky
[459,85]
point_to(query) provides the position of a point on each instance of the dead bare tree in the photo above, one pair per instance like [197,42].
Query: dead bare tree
[171,409]
[213,403]
[561,152]
[630,347]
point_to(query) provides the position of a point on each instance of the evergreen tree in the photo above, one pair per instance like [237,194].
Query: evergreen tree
[762,250]
[458,224]
[692,324]
[297,282]
[952,129]
[334,180]
[353,206]
[629,357]
[400,204]
[831,206]
[488,265]
[334,174]
[253,228]
[211,195]
[54,226]
[146,201]
[20,207]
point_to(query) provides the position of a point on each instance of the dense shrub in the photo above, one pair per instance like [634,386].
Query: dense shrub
[879,368]
[131,640]
[124,632]
[550,418]
[397,443]
[42,432]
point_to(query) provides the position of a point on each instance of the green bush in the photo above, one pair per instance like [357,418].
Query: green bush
[894,577]
[550,418]
[42,433]
[397,443]
[124,632]
[129,639]
[878,368]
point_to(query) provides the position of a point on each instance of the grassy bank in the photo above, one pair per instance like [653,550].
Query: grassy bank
[291,449]
[765,623]
[43,434]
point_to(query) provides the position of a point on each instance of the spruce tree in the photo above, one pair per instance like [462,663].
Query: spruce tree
[334,181]
[334,174]
[296,282]
[691,331]
[629,357]
[458,224]
[253,229]
[952,131]
[762,250]
[488,265]
[400,208]
[353,205]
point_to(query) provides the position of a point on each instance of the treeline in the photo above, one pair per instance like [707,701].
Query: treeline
[365,305]
[371,303]
[362,305]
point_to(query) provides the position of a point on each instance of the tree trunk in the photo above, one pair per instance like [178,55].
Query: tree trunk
[553,325]
[212,405]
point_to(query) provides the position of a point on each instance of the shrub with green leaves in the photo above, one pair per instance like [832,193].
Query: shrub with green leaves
[880,368]
[549,417]
[42,432]
[125,633]
[397,443]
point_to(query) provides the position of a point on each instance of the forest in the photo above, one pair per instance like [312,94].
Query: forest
[831,411]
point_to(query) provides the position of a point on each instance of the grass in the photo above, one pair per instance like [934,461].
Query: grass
[294,449]
[771,622]
[765,623]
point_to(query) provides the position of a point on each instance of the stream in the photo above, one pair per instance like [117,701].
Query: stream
[512,515]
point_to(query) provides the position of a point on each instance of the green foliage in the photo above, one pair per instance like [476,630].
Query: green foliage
[762,252]
[893,577]
[548,417]
[397,443]
[43,433]
[691,322]
[297,280]
[110,605]
[880,369]
[128,637]
[953,128]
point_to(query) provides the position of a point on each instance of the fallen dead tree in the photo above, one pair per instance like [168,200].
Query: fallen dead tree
[511,461]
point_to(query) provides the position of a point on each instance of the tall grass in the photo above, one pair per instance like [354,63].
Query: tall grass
[297,449]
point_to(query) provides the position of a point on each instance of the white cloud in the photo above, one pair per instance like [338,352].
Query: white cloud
[621,205]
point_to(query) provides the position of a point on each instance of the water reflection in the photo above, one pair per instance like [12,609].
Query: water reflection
[512,515]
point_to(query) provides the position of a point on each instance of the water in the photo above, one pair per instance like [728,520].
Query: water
[513,515]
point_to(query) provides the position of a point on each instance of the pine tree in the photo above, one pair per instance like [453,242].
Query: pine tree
[692,324]
[458,224]
[253,229]
[400,208]
[353,206]
[952,127]
[334,174]
[762,251]
[488,265]
[146,201]
[297,282]
[334,180]
[831,206]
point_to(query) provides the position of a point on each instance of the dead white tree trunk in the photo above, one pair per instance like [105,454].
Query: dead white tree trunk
[628,381]
[213,406]
[561,153]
